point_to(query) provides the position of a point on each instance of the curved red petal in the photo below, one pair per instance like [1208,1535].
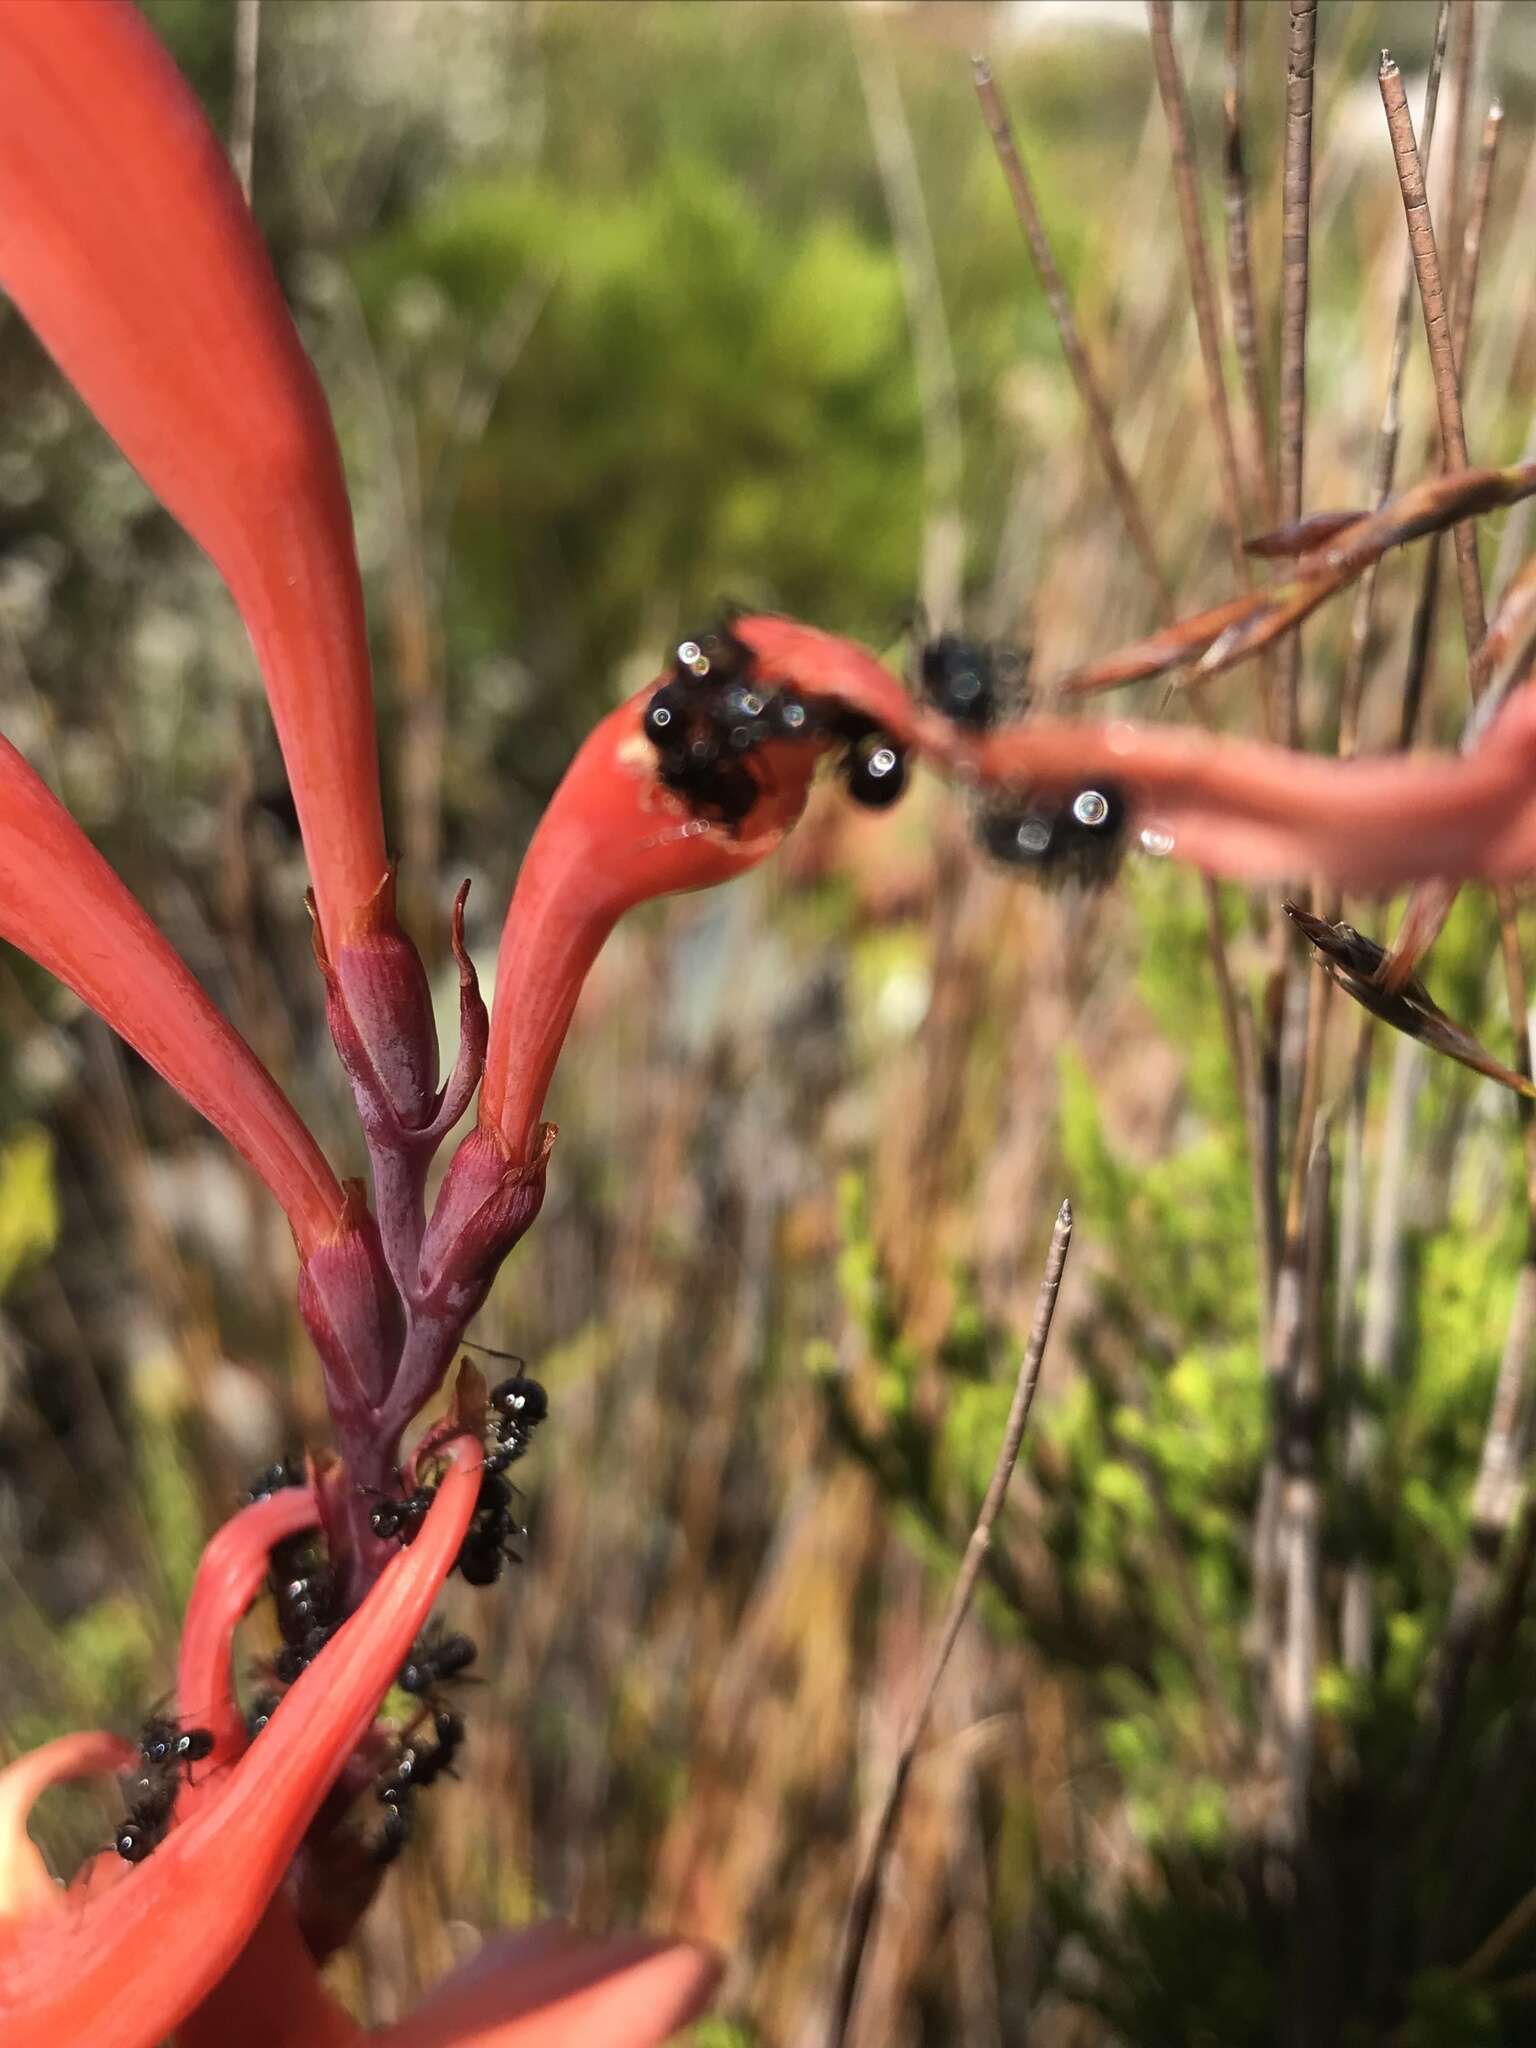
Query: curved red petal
[1244,808]
[611,838]
[1230,806]
[26,1889]
[826,665]
[125,241]
[63,905]
[272,1993]
[107,1976]
[547,1989]
[230,1573]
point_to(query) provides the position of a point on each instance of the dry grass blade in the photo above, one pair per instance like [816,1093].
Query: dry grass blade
[1461,327]
[1437,328]
[1389,431]
[1083,375]
[866,1892]
[1238,629]
[1295,278]
[1245,319]
[1170,86]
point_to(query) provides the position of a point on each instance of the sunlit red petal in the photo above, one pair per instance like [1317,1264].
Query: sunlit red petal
[125,241]
[105,1975]
[547,1990]
[62,904]
[26,1889]
[611,838]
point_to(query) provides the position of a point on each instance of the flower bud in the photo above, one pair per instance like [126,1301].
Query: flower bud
[488,1199]
[379,1006]
[352,1311]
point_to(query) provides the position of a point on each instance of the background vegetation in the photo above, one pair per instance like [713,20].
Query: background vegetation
[609,307]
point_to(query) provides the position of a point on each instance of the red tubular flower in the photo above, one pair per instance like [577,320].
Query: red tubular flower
[195,1941]
[1231,807]
[125,241]
[63,905]
[611,838]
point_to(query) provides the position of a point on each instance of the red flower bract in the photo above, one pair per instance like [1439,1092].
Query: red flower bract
[63,905]
[126,242]
[611,838]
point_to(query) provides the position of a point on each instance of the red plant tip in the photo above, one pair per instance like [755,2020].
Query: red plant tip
[63,906]
[612,837]
[379,1006]
[489,1197]
[125,241]
[825,666]
[353,1313]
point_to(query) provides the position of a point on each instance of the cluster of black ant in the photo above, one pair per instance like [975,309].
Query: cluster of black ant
[708,720]
[516,1408]
[712,715]
[303,1588]
[165,1750]
[1079,837]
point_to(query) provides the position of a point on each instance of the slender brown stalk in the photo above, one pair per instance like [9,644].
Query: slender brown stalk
[1295,282]
[1245,318]
[1084,376]
[1170,86]
[1464,67]
[1461,326]
[1389,432]
[866,1892]
[1442,354]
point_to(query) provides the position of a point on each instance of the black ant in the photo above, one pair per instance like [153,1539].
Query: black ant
[710,716]
[973,682]
[1078,838]
[489,1540]
[264,1705]
[875,771]
[274,1479]
[401,1517]
[519,1404]
[437,1659]
[304,1591]
[415,1766]
[165,1749]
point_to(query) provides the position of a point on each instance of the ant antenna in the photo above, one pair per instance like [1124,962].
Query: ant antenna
[510,1357]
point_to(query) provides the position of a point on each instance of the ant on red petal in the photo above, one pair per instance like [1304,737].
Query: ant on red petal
[166,1749]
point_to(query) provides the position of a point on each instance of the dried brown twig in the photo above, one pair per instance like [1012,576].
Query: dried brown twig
[866,1892]
[1210,641]
[1245,319]
[1295,279]
[1353,962]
